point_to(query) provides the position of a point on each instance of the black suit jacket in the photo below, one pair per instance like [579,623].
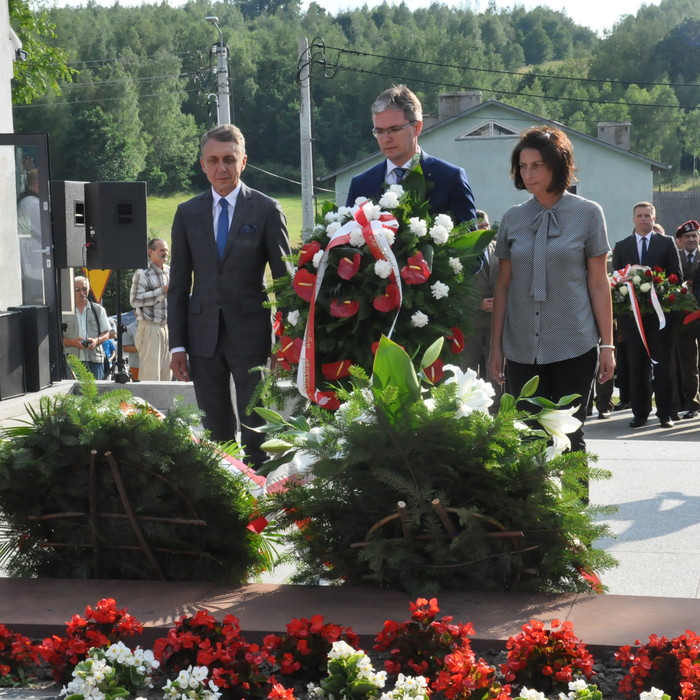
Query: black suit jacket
[661,252]
[202,287]
[449,194]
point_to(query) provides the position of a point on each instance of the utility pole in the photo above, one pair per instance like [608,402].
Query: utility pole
[307,166]
[223,102]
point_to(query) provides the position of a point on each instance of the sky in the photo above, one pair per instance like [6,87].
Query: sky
[599,15]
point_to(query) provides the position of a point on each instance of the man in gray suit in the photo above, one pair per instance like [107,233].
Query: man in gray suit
[222,241]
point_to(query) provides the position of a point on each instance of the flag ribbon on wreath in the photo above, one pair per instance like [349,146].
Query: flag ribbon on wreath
[376,240]
[625,275]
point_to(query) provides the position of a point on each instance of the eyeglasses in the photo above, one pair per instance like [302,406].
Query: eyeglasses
[80,289]
[393,130]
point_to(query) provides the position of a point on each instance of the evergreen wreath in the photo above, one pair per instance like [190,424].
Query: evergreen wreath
[168,509]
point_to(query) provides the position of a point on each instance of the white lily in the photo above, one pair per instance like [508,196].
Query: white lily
[473,394]
[558,423]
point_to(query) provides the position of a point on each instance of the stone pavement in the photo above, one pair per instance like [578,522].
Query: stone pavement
[656,485]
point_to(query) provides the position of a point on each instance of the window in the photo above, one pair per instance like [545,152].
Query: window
[490,128]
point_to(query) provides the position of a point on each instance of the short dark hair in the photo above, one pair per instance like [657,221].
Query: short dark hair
[224,132]
[557,153]
[399,98]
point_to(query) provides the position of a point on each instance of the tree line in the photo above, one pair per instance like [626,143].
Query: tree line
[124,92]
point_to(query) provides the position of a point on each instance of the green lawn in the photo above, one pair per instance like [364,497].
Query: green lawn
[161,210]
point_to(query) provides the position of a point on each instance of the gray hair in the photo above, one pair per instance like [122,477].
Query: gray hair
[224,132]
[399,98]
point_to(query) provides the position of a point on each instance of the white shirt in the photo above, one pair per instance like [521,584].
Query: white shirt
[390,175]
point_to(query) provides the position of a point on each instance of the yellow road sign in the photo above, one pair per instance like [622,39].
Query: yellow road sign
[98,281]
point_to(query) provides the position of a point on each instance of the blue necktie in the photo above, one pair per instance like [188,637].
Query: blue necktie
[398,174]
[643,256]
[222,228]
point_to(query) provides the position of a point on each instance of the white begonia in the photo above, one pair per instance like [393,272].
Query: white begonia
[439,234]
[419,319]
[356,237]
[332,228]
[578,684]
[445,221]
[473,394]
[645,287]
[653,694]
[340,650]
[529,694]
[408,688]
[439,290]
[624,291]
[418,227]
[382,268]
[389,200]
[293,318]
[316,260]
[456,265]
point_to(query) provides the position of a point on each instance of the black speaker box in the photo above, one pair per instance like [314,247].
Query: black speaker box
[35,340]
[116,221]
[11,364]
[68,218]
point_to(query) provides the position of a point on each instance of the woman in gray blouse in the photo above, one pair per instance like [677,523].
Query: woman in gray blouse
[552,304]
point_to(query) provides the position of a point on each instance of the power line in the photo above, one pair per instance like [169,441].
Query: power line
[405,78]
[121,81]
[103,99]
[496,71]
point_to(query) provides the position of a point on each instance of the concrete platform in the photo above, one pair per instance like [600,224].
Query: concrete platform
[40,607]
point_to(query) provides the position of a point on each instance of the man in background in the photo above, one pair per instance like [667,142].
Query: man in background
[87,329]
[149,298]
[222,240]
[645,247]
[397,118]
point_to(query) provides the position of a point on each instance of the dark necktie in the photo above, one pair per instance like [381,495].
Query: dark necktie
[690,258]
[222,228]
[399,173]
[643,256]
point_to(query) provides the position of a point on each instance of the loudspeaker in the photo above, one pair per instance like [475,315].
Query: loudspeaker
[11,365]
[35,337]
[116,224]
[68,217]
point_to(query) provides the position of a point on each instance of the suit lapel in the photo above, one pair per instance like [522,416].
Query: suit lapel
[240,214]
[205,207]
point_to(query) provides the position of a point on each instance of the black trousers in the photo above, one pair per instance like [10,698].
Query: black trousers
[660,343]
[212,387]
[558,379]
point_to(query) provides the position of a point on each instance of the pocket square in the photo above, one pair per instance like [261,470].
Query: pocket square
[249,228]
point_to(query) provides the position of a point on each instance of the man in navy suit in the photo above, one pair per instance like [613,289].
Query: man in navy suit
[222,241]
[644,247]
[397,116]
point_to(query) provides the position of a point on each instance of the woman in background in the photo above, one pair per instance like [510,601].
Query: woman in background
[552,306]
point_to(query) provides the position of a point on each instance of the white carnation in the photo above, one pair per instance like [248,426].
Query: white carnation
[382,268]
[419,319]
[389,200]
[372,211]
[360,200]
[418,227]
[331,216]
[397,190]
[456,265]
[389,235]
[332,228]
[637,279]
[439,290]
[344,212]
[317,258]
[624,291]
[293,318]
[444,221]
[356,238]
[645,287]
[439,234]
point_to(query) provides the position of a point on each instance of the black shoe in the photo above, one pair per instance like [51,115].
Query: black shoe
[689,414]
[603,415]
[666,422]
[620,406]
[638,422]
[674,416]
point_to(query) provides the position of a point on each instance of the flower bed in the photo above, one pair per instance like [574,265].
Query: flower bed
[423,656]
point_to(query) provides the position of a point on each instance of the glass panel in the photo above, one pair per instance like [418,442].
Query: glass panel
[29,231]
